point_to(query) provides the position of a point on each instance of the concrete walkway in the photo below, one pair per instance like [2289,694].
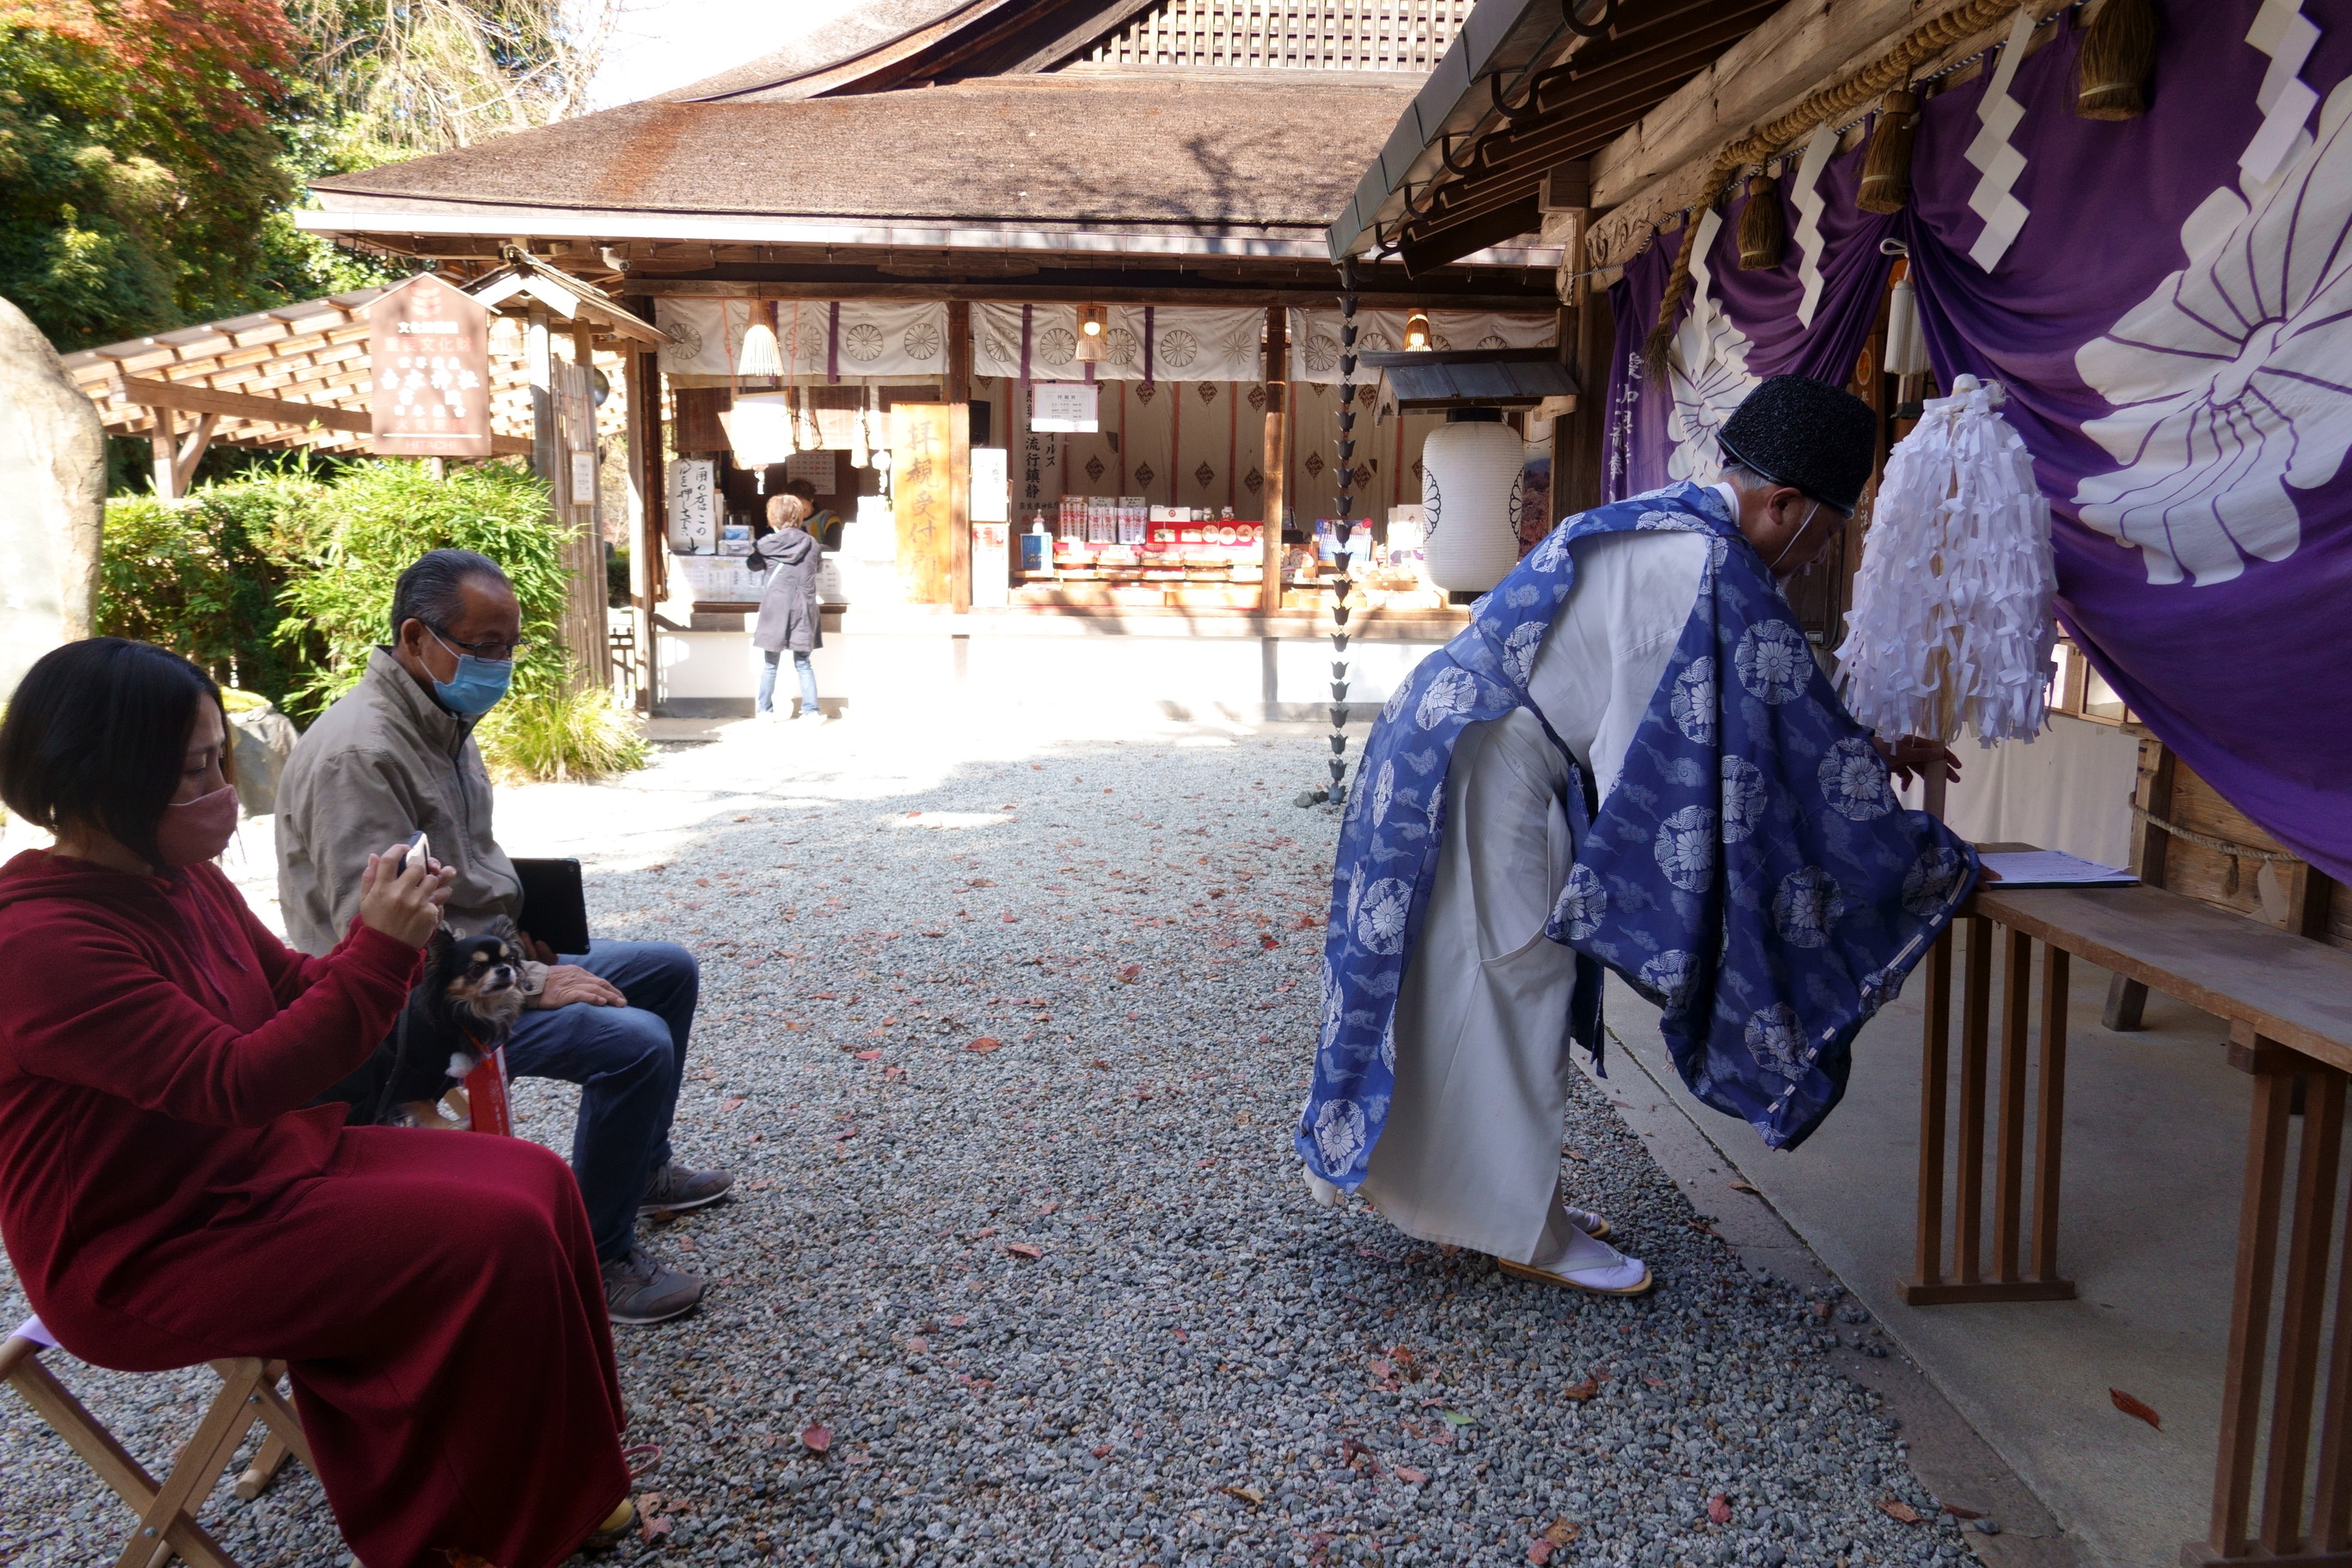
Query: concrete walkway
[2154,1138]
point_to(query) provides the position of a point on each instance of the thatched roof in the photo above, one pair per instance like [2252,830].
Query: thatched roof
[1226,152]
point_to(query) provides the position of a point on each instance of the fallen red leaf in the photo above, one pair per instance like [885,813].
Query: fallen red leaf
[732,1102]
[1181,1337]
[1410,1476]
[1103,1452]
[1562,1532]
[1268,942]
[816,1439]
[957,1322]
[2130,1407]
[1023,1249]
[652,1529]
[869,1056]
[1540,1553]
[1581,1392]
[1130,974]
[1903,1512]
[985,1044]
[1718,1508]
[1958,1512]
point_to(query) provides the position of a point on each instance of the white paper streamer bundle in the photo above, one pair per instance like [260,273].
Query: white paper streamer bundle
[1951,620]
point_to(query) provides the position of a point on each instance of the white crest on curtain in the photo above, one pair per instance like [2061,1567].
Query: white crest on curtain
[2000,163]
[2230,381]
[1809,203]
[1188,343]
[1951,620]
[1315,336]
[1704,396]
[2281,31]
[879,338]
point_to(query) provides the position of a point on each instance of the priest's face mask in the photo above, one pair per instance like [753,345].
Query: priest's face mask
[1796,529]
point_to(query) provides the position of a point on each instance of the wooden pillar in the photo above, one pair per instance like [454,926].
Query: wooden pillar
[539,374]
[2127,999]
[164,442]
[1278,413]
[1579,472]
[959,453]
[584,511]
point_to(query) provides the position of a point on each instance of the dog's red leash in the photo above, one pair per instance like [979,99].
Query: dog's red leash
[486,1092]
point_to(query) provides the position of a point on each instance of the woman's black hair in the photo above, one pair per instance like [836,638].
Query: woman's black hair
[96,736]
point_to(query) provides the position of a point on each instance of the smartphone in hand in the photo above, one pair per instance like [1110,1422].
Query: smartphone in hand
[420,853]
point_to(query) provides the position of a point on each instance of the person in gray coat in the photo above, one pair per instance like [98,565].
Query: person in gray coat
[788,560]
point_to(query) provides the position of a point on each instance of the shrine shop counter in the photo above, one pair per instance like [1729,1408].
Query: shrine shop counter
[1071,644]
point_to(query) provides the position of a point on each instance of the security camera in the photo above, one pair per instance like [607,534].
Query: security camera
[614,259]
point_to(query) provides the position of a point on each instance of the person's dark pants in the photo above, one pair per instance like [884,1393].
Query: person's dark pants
[628,1062]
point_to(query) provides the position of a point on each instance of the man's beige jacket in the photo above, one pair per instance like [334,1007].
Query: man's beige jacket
[384,762]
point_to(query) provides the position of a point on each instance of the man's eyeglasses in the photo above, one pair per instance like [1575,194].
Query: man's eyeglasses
[495,651]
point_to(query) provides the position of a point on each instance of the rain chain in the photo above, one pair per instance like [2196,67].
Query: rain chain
[1338,793]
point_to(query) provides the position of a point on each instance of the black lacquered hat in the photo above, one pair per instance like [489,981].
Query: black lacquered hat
[1797,431]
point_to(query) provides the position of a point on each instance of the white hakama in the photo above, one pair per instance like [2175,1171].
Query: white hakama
[1470,1152]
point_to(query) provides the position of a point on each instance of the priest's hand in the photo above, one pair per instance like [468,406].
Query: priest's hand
[1914,755]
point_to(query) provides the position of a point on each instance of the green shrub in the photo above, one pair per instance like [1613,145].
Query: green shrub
[561,734]
[379,517]
[371,523]
[201,577]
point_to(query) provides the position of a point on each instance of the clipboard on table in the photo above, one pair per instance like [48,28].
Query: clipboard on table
[554,904]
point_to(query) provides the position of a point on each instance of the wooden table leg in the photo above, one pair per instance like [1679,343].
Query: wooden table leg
[2050,1120]
[2311,1232]
[1935,1065]
[2331,1513]
[2250,1316]
[1976,1009]
[2009,1160]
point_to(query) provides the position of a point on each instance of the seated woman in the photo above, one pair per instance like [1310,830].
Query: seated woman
[166,1201]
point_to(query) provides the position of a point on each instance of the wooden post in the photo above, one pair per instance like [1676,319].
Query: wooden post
[2250,1314]
[2127,999]
[1277,367]
[1579,456]
[539,374]
[163,443]
[2009,1160]
[959,454]
[1976,1008]
[1934,1068]
[2050,1120]
[591,611]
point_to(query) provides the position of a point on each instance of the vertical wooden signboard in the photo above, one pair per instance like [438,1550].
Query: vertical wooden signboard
[429,358]
[922,491]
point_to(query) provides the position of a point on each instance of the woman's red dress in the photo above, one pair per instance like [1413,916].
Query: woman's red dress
[166,1201]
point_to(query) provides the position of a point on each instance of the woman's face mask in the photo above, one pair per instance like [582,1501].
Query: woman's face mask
[197,830]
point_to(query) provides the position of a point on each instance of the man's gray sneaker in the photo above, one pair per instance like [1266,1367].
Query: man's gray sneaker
[675,1189]
[640,1289]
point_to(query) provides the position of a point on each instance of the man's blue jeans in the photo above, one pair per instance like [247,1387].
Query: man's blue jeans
[771,657]
[628,1062]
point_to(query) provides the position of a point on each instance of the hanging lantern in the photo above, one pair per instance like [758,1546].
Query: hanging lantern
[1416,330]
[1094,330]
[1471,468]
[760,354]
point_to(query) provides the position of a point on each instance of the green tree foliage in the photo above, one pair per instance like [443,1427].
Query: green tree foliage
[202,576]
[138,167]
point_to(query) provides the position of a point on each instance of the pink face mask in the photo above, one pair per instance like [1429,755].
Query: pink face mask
[199,829]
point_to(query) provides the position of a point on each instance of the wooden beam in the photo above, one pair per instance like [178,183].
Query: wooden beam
[262,410]
[1430,294]
[192,452]
[1799,46]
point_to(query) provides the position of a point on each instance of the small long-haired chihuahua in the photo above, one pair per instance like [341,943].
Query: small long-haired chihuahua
[474,989]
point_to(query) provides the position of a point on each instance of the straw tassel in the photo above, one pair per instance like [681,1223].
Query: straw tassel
[1762,226]
[2117,56]
[1887,164]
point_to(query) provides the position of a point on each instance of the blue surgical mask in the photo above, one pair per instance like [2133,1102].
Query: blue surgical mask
[479,684]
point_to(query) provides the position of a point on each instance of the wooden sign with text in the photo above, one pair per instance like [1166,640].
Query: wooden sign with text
[429,356]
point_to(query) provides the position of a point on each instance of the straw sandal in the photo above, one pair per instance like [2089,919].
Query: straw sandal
[1544,1277]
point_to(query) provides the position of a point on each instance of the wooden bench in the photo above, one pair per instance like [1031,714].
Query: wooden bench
[2288,1003]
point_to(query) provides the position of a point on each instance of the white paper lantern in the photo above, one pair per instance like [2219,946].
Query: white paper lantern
[1470,475]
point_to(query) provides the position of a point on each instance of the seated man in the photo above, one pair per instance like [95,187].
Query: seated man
[1742,863]
[395,754]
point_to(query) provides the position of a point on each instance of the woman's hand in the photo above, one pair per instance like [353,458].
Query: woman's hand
[403,902]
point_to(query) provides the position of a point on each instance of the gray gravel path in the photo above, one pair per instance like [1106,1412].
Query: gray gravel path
[1002,1038]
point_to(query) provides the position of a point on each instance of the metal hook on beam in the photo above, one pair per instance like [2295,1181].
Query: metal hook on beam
[1525,111]
[1445,156]
[1582,30]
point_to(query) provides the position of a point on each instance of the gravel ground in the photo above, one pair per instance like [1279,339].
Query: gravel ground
[1002,1035]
